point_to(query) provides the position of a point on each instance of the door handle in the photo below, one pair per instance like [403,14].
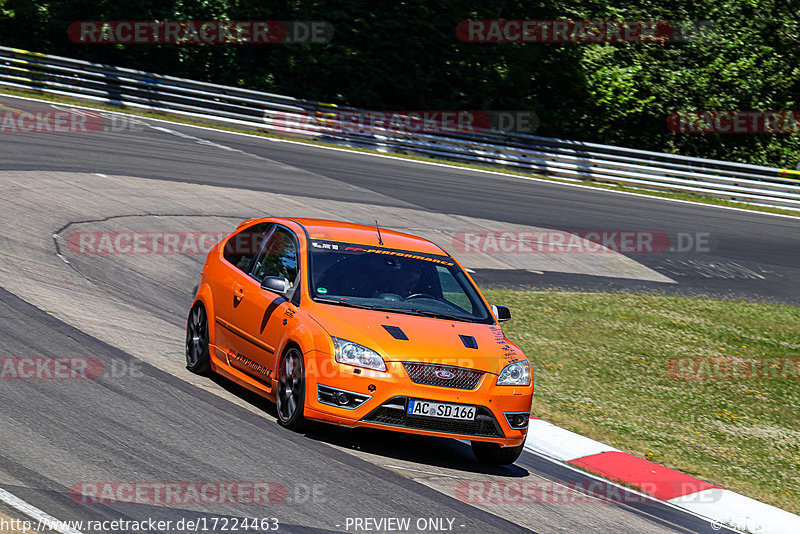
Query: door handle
[238,291]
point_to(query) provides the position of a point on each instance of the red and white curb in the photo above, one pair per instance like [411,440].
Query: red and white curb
[694,495]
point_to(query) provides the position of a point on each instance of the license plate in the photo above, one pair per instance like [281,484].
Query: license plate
[443,410]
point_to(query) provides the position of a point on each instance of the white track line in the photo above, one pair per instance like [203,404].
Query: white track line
[45,520]
[375,155]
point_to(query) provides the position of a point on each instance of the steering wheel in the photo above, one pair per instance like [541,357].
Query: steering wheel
[421,296]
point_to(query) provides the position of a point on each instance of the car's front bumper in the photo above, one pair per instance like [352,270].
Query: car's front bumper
[382,399]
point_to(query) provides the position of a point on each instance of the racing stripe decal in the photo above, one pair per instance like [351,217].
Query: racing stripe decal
[268,312]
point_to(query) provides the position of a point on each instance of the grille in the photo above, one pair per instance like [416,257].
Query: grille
[393,413]
[425,373]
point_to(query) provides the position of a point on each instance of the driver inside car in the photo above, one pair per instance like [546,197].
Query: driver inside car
[396,279]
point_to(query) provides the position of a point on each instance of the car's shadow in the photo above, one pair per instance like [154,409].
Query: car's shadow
[424,450]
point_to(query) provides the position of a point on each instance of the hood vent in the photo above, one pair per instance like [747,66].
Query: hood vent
[396,332]
[469,341]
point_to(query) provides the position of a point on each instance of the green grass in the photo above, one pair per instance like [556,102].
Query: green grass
[601,366]
[689,197]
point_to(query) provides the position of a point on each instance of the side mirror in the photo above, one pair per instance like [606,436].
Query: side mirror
[278,284]
[501,312]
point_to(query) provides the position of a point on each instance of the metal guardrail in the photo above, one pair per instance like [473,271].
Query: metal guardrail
[296,117]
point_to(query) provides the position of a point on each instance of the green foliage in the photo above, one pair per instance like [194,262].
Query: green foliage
[405,55]
[5,13]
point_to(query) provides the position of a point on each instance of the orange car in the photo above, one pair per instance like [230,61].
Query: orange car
[362,327]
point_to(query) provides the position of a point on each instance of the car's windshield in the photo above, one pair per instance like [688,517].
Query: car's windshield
[393,280]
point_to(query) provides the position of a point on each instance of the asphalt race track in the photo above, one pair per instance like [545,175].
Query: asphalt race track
[145,419]
[748,255]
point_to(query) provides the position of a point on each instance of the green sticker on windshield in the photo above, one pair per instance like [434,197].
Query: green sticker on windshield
[322,290]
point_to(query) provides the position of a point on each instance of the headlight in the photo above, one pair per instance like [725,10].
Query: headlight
[351,353]
[515,374]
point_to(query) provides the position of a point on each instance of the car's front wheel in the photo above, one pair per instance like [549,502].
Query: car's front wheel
[291,392]
[197,350]
[492,453]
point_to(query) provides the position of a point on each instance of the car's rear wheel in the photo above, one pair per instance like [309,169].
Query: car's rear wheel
[291,392]
[492,453]
[197,350]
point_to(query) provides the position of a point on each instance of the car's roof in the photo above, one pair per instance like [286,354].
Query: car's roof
[363,234]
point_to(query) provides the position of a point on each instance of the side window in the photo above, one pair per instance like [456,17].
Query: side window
[241,248]
[278,257]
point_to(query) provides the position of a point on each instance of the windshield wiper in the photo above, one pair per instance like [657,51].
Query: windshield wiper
[427,313]
[348,303]
[440,315]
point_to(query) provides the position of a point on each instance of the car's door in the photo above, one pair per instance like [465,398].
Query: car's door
[262,313]
[239,254]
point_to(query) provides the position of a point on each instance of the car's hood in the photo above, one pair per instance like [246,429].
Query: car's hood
[429,340]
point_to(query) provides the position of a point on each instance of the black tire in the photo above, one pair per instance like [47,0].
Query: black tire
[197,348]
[492,453]
[291,393]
